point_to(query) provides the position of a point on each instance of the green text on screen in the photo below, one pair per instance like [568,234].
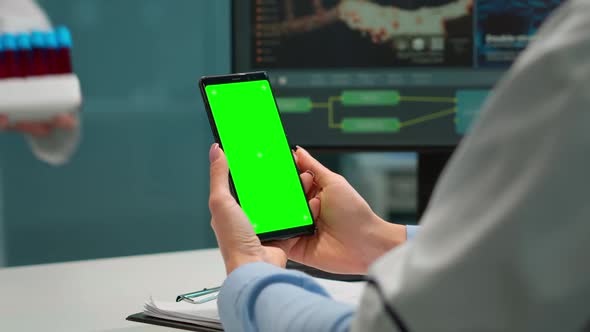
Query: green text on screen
[259,157]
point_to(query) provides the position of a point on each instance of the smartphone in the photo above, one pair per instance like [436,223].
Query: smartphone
[246,123]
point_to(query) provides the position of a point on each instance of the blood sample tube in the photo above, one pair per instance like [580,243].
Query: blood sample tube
[10,55]
[25,56]
[39,54]
[51,54]
[3,70]
[64,46]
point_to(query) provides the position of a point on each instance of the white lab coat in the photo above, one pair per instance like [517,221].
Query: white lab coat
[505,243]
[22,16]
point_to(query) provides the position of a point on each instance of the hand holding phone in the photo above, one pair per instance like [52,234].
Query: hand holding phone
[236,238]
[246,123]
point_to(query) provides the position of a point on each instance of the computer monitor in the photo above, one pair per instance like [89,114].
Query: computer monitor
[382,75]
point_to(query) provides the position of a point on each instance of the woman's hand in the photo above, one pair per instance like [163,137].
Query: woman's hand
[40,128]
[350,236]
[236,238]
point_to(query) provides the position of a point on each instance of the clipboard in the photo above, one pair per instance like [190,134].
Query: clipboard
[143,318]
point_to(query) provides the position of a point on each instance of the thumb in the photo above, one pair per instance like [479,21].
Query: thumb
[284,245]
[305,162]
[219,171]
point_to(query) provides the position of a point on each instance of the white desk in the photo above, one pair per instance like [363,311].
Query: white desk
[97,295]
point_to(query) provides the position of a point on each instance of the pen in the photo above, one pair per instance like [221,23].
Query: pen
[189,297]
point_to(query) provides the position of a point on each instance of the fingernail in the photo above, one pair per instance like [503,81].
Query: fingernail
[214,152]
[299,147]
[310,173]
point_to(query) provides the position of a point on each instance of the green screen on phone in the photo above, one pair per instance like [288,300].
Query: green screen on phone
[264,174]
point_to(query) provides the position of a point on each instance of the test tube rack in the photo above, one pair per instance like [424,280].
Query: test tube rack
[36,77]
[39,98]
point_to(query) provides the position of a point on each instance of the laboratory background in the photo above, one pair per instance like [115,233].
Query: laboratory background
[106,142]
[138,181]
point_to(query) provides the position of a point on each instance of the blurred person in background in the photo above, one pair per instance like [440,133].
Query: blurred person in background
[54,140]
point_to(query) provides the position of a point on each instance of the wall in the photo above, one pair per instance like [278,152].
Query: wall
[139,182]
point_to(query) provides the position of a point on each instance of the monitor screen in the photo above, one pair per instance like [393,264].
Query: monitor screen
[397,74]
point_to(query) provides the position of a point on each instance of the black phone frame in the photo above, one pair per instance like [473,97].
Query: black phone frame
[243,77]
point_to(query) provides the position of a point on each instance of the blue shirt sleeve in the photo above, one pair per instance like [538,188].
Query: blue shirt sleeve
[411,231]
[263,297]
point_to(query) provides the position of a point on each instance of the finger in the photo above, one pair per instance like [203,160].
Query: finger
[284,245]
[3,121]
[314,206]
[36,129]
[307,162]
[65,121]
[307,181]
[219,172]
[315,191]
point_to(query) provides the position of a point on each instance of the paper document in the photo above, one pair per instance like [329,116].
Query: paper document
[206,314]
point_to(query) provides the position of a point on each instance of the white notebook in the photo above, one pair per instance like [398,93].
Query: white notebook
[206,314]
